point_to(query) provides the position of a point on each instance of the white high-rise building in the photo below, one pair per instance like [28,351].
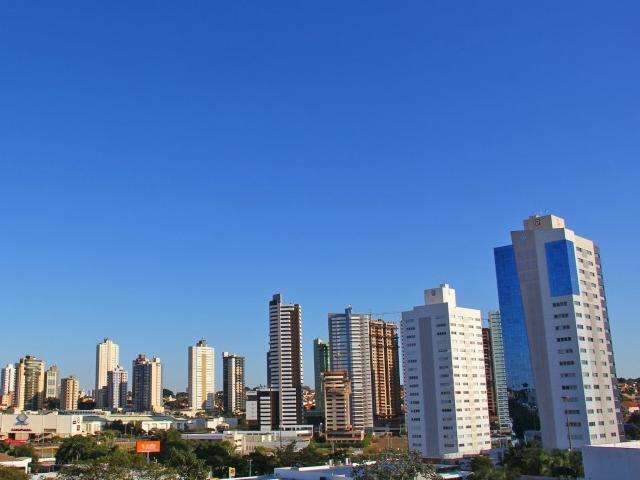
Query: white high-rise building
[117,385]
[444,377]
[559,278]
[349,349]
[499,372]
[202,380]
[284,360]
[107,358]
[8,379]
[52,382]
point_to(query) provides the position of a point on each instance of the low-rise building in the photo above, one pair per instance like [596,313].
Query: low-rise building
[18,463]
[611,461]
[246,441]
[27,425]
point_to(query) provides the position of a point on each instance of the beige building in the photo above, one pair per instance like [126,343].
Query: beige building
[107,358]
[69,392]
[336,388]
[202,380]
[30,385]
[385,369]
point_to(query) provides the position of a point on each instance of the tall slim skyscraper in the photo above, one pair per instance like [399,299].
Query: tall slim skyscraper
[559,278]
[385,369]
[285,358]
[147,384]
[233,391]
[117,384]
[516,341]
[52,381]
[490,378]
[349,347]
[320,365]
[202,380]
[107,358]
[69,393]
[444,375]
[499,372]
[30,386]
[8,379]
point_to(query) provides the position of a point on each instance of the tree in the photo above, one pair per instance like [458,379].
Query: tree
[263,462]
[219,456]
[179,455]
[483,469]
[524,418]
[12,474]
[532,459]
[119,465]
[79,448]
[395,466]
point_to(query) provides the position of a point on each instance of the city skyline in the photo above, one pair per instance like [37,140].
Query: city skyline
[144,179]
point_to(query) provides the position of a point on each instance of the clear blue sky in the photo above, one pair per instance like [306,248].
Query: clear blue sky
[165,167]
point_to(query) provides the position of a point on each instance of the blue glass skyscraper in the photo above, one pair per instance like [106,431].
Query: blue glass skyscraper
[514,331]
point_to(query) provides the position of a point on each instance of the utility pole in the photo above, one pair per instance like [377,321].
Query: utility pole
[566,417]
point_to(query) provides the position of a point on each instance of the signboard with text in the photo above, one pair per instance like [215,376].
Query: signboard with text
[147,446]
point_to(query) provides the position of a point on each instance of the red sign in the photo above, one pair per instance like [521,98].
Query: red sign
[147,446]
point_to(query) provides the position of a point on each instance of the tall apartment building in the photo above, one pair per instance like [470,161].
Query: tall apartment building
[337,405]
[8,379]
[349,346]
[385,369]
[202,381]
[117,385]
[320,365]
[558,275]
[445,389]
[52,382]
[285,358]
[29,386]
[146,377]
[499,372]
[107,358]
[233,390]
[262,409]
[490,378]
[69,393]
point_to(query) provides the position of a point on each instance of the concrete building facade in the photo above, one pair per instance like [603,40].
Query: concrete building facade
[69,393]
[146,375]
[107,358]
[117,387]
[320,365]
[499,372]
[52,382]
[30,384]
[202,381]
[285,358]
[233,383]
[385,369]
[263,409]
[8,379]
[561,287]
[445,387]
[349,346]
